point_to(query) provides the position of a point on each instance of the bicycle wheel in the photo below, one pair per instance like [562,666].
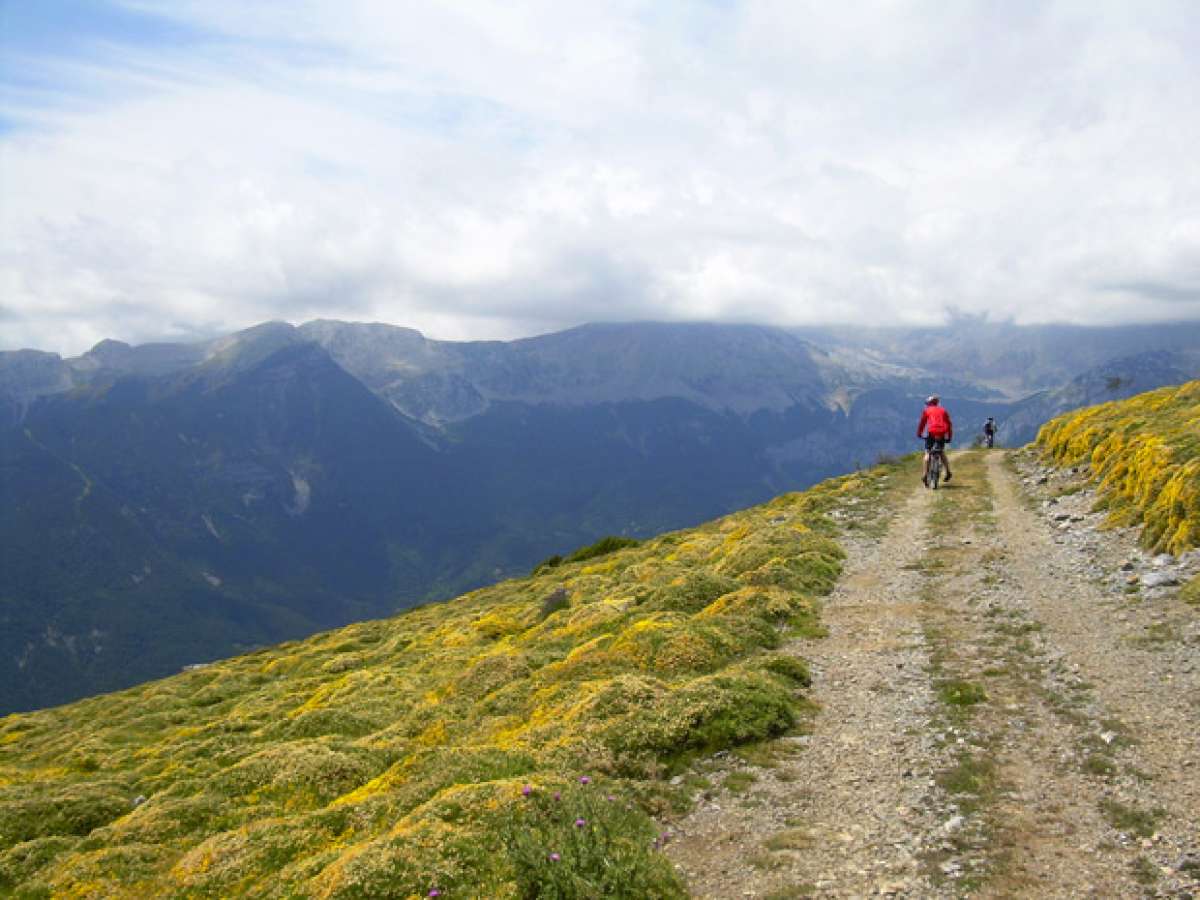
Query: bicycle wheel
[935,469]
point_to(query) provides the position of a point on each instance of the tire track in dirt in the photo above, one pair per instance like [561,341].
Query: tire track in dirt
[983,730]
[1136,729]
[845,816]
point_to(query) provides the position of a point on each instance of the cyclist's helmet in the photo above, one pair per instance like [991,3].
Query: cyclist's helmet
[932,398]
[991,419]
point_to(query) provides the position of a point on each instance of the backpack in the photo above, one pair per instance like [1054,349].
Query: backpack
[937,420]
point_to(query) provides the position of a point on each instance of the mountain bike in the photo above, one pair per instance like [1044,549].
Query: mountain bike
[989,439]
[936,461]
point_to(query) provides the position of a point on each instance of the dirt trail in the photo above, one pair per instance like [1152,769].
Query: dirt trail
[987,727]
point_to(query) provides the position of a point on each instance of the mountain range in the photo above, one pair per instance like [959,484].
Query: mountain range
[168,504]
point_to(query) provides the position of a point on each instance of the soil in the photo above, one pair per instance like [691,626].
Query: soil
[1003,712]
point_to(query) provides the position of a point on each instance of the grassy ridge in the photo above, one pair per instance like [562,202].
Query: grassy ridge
[388,758]
[1145,454]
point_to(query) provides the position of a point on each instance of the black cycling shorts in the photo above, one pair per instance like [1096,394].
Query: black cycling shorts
[932,443]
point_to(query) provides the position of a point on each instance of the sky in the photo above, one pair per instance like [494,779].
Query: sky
[174,169]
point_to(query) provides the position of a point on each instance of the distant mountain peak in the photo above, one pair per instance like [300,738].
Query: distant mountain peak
[247,348]
[108,347]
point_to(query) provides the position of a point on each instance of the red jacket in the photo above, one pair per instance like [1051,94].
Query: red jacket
[938,422]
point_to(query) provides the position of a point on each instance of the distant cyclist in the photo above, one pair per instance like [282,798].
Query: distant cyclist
[989,432]
[935,426]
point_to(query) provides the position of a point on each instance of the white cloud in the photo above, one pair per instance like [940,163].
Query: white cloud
[491,169]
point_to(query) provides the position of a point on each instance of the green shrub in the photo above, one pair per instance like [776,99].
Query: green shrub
[735,710]
[585,842]
[609,544]
[1130,819]
[711,713]
[18,862]
[317,722]
[493,672]
[107,870]
[303,772]
[221,865]
[791,668]
[696,591]
[1190,592]
[71,810]
[602,547]
[164,818]
[422,776]
[413,861]
[961,693]
[550,562]
[813,572]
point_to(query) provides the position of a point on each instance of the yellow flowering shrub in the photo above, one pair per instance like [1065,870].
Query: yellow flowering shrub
[383,758]
[1144,453]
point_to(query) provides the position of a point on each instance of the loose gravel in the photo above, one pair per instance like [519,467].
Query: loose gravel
[1004,712]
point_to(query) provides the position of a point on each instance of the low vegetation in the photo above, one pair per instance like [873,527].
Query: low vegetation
[1190,592]
[1145,454]
[509,743]
[1131,819]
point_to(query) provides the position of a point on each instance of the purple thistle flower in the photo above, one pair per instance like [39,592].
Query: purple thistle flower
[434,892]
[557,795]
[610,798]
[526,791]
[585,780]
[554,857]
[579,823]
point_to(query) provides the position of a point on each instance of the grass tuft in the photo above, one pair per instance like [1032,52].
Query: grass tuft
[961,693]
[1130,819]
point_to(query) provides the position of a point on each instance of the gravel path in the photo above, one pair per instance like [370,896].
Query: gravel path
[994,721]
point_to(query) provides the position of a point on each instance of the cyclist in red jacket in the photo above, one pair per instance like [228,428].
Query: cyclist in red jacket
[935,426]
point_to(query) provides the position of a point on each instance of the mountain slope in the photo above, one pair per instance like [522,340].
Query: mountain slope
[1114,380]
[387,758]
[1018,359]
[739,369]
[150,522]
[1145,455]
[283,479]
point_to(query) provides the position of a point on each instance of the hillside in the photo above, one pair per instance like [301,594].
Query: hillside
[864,689]
[1116,379]
[1144,453]
[157,521]
[388,758]
[175,504]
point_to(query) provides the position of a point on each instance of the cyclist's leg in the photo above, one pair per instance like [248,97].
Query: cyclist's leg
[928,456]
